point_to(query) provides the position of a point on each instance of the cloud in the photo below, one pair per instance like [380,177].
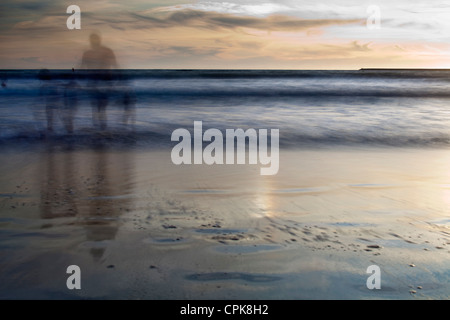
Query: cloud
[189,51]
[32,60]
[45,23]
[230,34]
[214,20]
[249,9]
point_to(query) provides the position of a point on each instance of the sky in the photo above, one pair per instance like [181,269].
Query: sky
[234,34]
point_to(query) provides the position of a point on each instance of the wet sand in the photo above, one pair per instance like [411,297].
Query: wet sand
[140,227]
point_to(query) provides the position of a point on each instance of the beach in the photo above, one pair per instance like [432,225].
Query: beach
[141,227]
[91,175]
[218,158]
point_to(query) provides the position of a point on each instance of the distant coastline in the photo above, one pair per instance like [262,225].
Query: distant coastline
[401,69]
[187,70]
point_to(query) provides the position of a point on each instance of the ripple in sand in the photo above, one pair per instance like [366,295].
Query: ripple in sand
[204,191]
[168,241]
[100,218]
[351,224]
[441,222]
[394,243]
[215,276]
[35,235]
[302,190]
[7,220]
[95,244]
[13,195]
[221,231]
[117,197]
[370,185]
[247,249]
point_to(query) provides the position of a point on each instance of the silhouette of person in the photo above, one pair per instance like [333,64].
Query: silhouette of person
[129,106]
[48,91]
[100,60]
[99,57]
[70,102]
[4,81]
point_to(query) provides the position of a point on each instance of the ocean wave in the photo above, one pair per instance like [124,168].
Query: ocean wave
[287,140]
[308,107]
[160,84]
[120,74]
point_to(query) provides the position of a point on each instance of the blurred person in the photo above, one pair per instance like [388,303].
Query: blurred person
[129,106]
[49,94]
[70,105]
[100,60]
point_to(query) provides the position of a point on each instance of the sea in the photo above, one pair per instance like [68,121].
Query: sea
[367,107]
[363,181]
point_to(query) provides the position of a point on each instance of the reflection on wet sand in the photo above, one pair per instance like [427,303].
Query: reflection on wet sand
[140,228]
[89,186]
[57,191]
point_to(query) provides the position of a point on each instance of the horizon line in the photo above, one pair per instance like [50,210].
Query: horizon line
[238,69]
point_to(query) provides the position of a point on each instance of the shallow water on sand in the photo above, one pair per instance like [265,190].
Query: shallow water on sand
[141,227]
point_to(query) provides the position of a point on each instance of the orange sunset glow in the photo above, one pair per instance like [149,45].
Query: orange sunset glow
[229,35]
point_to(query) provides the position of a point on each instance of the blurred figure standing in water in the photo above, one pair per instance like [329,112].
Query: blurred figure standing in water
[4,81]
[129,106]
[100,60]
[69,108]
[48,92]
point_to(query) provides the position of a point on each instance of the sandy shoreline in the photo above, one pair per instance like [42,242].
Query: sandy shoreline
[140,227]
